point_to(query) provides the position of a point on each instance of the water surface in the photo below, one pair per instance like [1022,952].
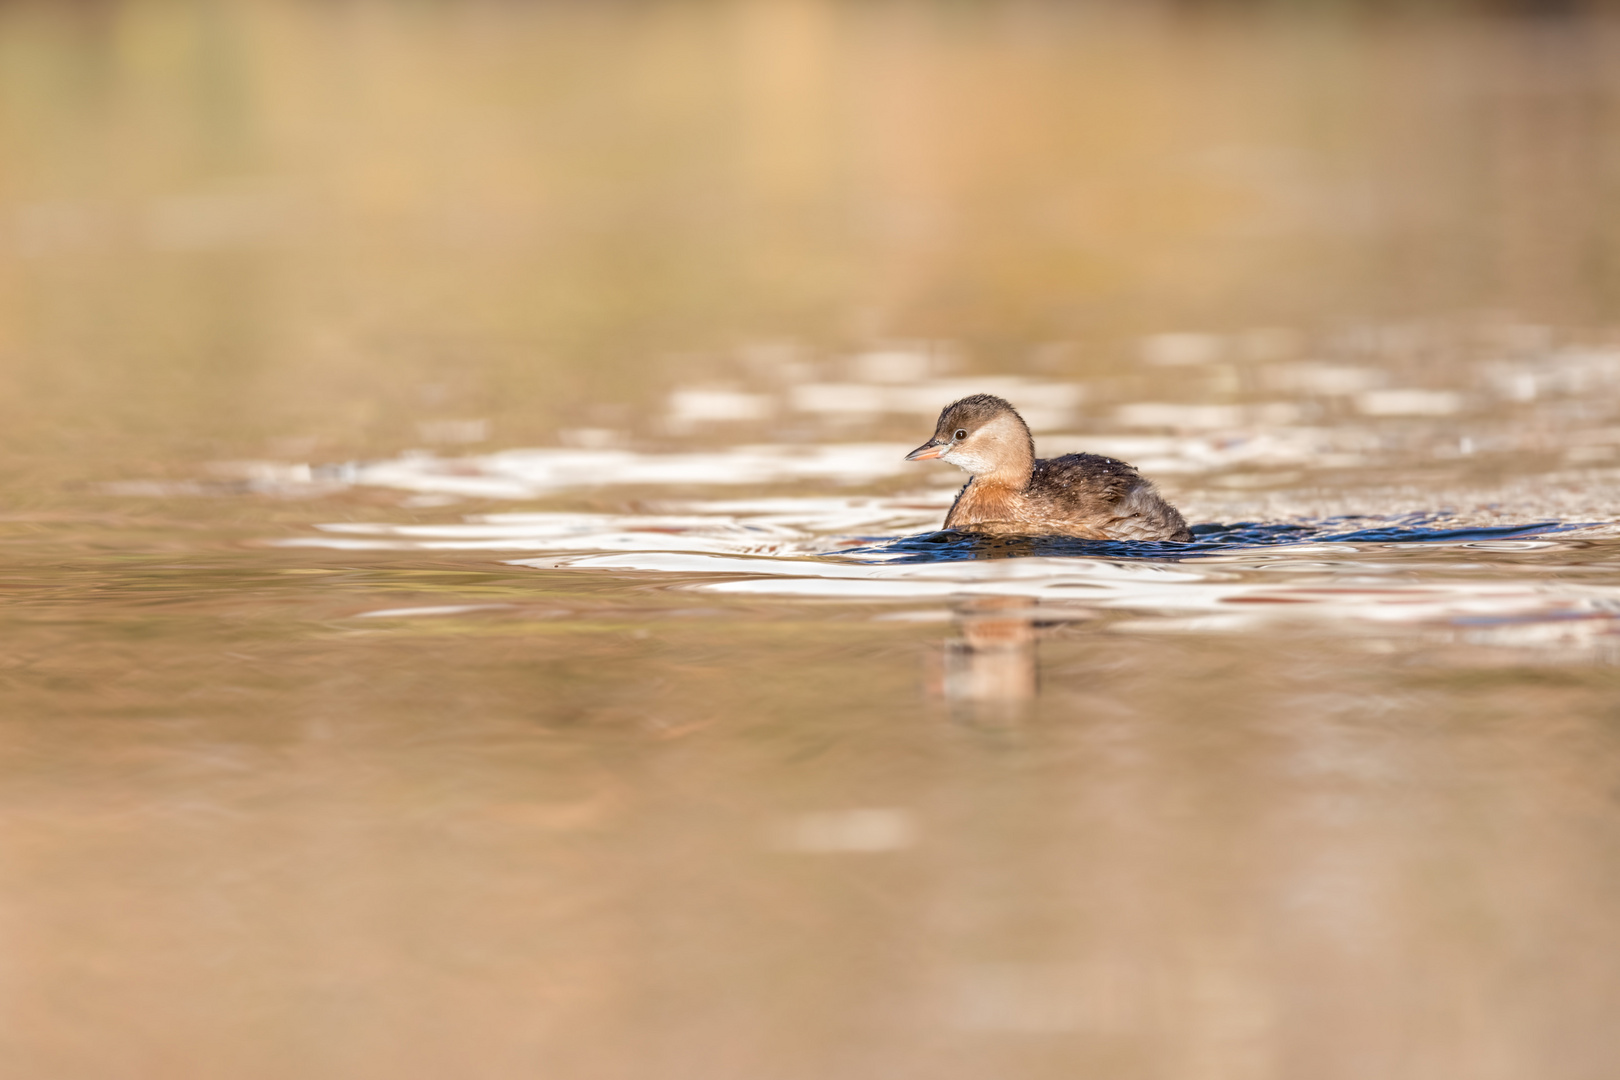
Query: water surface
[466,611]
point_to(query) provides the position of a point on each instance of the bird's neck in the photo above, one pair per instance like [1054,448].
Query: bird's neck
[1013,452]
[982,502]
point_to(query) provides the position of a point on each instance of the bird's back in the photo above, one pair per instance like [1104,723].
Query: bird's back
[1085,482]
[1089,494]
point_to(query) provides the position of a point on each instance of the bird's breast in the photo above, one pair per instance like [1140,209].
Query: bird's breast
[981,502]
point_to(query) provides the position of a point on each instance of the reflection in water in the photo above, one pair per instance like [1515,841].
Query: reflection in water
[993,668]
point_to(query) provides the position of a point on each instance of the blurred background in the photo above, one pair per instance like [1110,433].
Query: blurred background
[315,312]
[227,223]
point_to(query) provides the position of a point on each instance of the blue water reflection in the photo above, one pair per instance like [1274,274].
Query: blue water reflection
[1211,538]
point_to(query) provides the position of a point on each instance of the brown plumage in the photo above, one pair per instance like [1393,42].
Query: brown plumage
[1014,493]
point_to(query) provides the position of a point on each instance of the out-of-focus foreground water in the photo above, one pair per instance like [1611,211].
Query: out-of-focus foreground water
[454,619]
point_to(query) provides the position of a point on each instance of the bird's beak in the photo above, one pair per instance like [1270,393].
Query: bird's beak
[930,449]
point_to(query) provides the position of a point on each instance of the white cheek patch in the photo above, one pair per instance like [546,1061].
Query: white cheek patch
[964,459]
[991,447]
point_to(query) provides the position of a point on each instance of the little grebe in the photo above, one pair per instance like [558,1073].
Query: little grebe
[1013,493]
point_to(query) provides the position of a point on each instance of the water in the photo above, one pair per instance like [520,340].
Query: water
[467,611]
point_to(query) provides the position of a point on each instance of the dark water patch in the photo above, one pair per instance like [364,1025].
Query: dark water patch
[1210,538]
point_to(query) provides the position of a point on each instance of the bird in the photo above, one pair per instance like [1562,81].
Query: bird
[1012,493]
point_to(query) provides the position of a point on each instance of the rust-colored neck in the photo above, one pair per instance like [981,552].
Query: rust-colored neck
[985,498]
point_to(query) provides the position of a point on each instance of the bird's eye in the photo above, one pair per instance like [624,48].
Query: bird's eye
[961,433]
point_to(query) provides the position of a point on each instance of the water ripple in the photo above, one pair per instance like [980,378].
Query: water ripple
[1339,571]
[1209,539]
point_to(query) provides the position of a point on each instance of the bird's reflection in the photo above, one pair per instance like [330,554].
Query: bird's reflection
[991,671]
